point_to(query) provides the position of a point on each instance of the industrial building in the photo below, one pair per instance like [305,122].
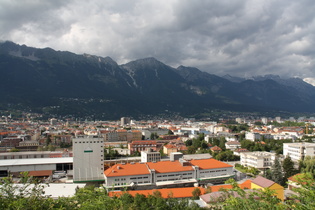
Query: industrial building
[168,173]
[88,159]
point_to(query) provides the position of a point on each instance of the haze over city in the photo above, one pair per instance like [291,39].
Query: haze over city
[241,38]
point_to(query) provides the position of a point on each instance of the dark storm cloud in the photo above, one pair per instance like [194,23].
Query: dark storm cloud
[241,37]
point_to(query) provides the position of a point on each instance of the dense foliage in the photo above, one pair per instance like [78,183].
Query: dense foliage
[30,195]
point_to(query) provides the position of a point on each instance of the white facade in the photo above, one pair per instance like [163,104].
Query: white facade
[297,151]
[168,173]
[150,156]
[252,136]
[264,120]
[34,164]
[88,163]
[257,160]
[232,145]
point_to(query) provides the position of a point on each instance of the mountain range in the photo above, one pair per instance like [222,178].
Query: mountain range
[64,83]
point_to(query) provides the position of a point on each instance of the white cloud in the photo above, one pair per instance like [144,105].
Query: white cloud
[251,37]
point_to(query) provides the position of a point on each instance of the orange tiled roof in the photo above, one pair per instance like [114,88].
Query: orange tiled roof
[121,130]
[246,184]
[216,148]
[185,192]
[127,170]
[168,166]
[169,146]
[144,142]
[209,163]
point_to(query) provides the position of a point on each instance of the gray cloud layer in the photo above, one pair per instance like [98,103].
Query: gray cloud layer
[239,37]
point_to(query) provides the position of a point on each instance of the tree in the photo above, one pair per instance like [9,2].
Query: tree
[222,143]
[196,193]
[196,143]
[305,194]
[276,171]
[204,145]
[29,194]
[170,132]
[48,140]
[288,168]
[191,150]
[14,150]
[188,142]
[308,165]
[154,136]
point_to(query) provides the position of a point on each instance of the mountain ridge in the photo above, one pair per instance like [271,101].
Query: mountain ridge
[41,78]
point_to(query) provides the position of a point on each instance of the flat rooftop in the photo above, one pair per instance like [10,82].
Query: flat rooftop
[35,161]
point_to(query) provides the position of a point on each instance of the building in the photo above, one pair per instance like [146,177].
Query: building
[10,142]
[297,151]
[259,160]
[15,166]
[136,135]
[125,121]
[150,156]
[232,145]
[252,136]
[262,183]
[34,154]
[216,149]
[88,159]
[264,120]
[122,134]
[168,173]
[239,151]
[169,148]
[111,136]
[138,146]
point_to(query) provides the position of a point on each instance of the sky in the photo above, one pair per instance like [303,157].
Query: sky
[237,37]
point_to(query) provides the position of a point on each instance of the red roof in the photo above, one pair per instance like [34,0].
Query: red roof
[185,192]
[168,166]
[263,182]
[209,163]
[216,148]
[144,142]
[170,146]
[127,170]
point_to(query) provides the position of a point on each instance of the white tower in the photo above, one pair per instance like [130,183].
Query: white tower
[88,162]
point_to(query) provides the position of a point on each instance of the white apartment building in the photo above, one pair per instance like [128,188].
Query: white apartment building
[252,136]
[232,145]
[259,160]
[297,151]
[88,159]
[150,156]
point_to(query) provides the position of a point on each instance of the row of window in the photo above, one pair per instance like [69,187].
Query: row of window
[88,142]
[122,179]
[21,157]
[144,177]
[170,175]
